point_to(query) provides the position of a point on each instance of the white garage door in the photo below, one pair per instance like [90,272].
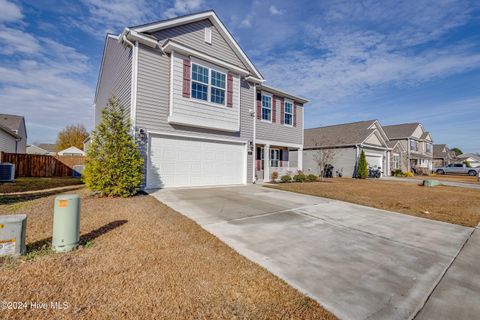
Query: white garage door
[187,162]
[374,160]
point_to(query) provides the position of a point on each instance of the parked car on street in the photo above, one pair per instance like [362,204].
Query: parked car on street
[457,168]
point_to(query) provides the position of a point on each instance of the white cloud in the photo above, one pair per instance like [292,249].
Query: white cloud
[247,21]
[182,7]
[274,11]
[9,11]
[17,41]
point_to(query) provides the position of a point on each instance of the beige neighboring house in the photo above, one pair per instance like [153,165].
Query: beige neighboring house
[473,159]
[398,156]
[417,141]
[13,133]
[71,151]
[442,156]
[344,143]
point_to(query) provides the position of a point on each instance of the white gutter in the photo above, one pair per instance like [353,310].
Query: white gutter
[130,36]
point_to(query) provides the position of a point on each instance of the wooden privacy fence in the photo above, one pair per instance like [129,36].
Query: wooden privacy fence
[35,165]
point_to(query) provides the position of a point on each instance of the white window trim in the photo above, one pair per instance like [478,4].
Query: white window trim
[271,159]
[271,107]
[285,101]
[209,84]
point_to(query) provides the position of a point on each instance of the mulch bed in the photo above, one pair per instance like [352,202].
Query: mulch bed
[141,260]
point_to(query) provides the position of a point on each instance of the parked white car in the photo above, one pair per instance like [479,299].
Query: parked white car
[457,168]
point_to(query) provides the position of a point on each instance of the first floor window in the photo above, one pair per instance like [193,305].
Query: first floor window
[396,162]
[274,157]
[288,113]
[266,108]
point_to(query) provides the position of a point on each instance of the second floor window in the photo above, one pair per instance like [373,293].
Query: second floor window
[428,147]
[288,114]
[208,84]
[413,145]
[266,108]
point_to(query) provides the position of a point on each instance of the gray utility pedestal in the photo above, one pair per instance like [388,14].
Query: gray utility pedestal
[66,223]
[12,234]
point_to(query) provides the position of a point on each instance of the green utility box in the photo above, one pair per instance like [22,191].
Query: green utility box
[66,223]
[431,183]
[12,234]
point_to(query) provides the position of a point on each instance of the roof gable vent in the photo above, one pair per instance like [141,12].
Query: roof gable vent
[208,35]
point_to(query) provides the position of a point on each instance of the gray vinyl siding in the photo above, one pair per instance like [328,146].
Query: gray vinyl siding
[7,142]
[343,159]
[115,79]
[279,132]
[153,100]
[193,36]
[22,144]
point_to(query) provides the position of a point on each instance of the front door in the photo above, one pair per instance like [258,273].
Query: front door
[274,158]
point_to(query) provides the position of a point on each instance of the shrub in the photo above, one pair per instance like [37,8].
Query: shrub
[300,177]
[397,173]
[408,174]
[362,168]
[274,175]
[311,178]
[113,166]
[286,178]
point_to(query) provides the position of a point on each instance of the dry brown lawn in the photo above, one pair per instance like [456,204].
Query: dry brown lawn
[141,260]
[449,204]
[449,177]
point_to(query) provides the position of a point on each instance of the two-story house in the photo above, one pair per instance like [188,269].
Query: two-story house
[417,141]
[198,106]
[13,133]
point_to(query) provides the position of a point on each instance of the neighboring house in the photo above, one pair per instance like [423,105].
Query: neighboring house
[442,156]
[197,104]
[342,145]
[473,159]
[71,151]
[51,148]
[13,133]
[33,149]
[417,142]
[398,156]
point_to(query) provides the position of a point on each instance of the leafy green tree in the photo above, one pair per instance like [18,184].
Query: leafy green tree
[457,151]
[114,166]
[467,164]
[362,168]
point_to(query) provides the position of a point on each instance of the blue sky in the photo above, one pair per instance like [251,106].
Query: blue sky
[396,61]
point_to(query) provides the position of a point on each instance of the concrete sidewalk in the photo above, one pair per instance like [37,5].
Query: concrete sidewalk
[443,182]
[457,296]
[358,262]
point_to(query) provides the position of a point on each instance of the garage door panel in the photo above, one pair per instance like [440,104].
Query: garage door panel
[180,162]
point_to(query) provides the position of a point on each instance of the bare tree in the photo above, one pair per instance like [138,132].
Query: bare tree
[322,157]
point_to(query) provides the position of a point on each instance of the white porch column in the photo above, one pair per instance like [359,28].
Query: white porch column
[387,164]
[300,159]
[266,163]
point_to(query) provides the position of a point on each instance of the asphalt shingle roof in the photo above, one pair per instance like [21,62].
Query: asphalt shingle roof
[400,130]
[11,121]
[338,135]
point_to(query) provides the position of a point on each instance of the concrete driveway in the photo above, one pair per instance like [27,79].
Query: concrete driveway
[358,262]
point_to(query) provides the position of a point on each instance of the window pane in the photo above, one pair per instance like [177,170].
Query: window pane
[266,113]
[218,79]
[266,108]
[288,107]
[199,73]
[288,119]
[218,95]
[199,91]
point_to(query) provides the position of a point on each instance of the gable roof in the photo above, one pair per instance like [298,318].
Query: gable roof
[11,121]
[143,30]
[281,93]
[403,130]
[347,134]
[9,132]
[71,149]
[440,150]
[50,147]
[469,155]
